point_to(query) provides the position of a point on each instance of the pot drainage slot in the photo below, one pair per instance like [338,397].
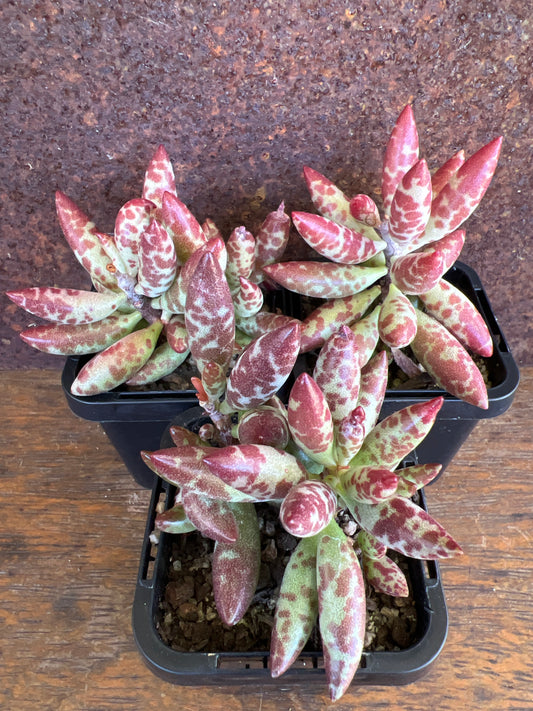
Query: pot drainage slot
[232,662]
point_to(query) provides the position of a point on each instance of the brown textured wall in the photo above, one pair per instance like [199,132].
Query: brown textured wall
[243,95]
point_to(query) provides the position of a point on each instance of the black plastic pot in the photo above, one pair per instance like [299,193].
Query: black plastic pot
[386,668]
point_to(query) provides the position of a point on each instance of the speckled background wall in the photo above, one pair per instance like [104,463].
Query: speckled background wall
[243,95]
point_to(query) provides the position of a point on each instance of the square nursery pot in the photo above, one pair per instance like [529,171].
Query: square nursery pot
[218,668]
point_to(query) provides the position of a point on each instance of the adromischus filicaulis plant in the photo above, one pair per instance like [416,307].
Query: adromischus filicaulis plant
[407,250]
[136,318]
[322,453]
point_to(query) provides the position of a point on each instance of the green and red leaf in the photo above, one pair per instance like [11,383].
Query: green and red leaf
[308,508]
[324,279]
[68,306]
[310,420]
[401,154]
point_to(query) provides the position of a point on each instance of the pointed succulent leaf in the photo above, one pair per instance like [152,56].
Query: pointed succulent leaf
[336,242]
[236,566]
[364,209]
[297,607]
[264,321]
[271,240]
[370,546]
[324,279]
[442,176]
[176,334]
[213,518]
[411,204]
[310,420]
[308,508]
[184,467]
[397,319]
[385,576]
[416,476]
[183,437]
[458,314]
[262,472]
[450,247]
[69,306]
[159,177]
[366,334]
[263,368]
[342,610]
[448,363]
[418,272]
[249,298]
[210,229]
[264,425]
[157,261]
[118,362]
[349,436]
[325,320]
[209,314]
[369,484]
[401,154]
[174,521]
[117,263]
[163,361]
[337,373]
[132,220]
[241,255]
[213,380]
[372,387]
[183,227]
[81,234]
[63,339]
[398,434]
[406,528]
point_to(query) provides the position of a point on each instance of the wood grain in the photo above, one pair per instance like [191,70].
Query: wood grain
[72,521]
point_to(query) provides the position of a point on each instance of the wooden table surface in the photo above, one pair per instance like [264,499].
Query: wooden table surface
[72,520]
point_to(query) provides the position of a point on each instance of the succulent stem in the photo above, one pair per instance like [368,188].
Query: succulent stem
[138,301]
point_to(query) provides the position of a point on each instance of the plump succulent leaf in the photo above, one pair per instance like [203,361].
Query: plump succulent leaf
[159,177]
[264,425]
[241,256]
[212,517]
[163,361]
[418,272]
[132,220]
[310,421]
[372,388]
[324,279]
[366,332]
[248,298]
[349,436]
[401,154]
[369,484]
[364,209]
[308,508]
[397,319]
[174,520]
[385,576]
[157,261]
[442,176]
[182,226]
[271,240]
[411,204]
[68,306]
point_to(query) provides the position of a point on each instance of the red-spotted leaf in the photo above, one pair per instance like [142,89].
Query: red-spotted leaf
[163,361]
[271,240]
[372,387]
[118,362]
[262,472]
[209,315]
[157,261]
[349,436]
[210,229]
[415,477]
[263,322]
[450,247]
[326,318]
[336,242]
[176,334]
[296,609]
[397,319]
[248,299]
[182,226]
[364,209]
[241,255]
[411,204]
[159,177]
[174,521]
[69,306]
[370,546]
[385,576]
[263,368]
[308,508]
[418,272]
[213,380]
[265,425]
[310,420]
[62,339]
[324,279]
[459,315]
[132,220]
[183,437]
[400,156]
[213,518]
[442,176]
[236,566]
[369,484]
[366,334]
[448,363]
[342,610]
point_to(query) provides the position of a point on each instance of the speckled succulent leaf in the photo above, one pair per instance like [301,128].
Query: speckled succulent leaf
[296,609]
[213,518]
[337,373]
[241,256]
[116,261]
[176,334]
[69,306]
[81,234]
[366,334]
[184,467]
[213,380]
[462,194]
[418,475]
[418,272]
[209,315]
[271,240]
[117,363]
[342,611]
[310,420]
[308,508]
[372,387]
[324,279]
[397,319]
[401,154]
[157,261]
[364,209]
[263,322]
[210,229]
[236,567]
[349,436]
[163,361]
[385,576]
[370,546]
[174,520]
[333,241]
[159,177]
[442,176]
[264,425]
[262,472]
[447,361]
[263,368]
[248,299]
[326,318]
[132,220]
[398,434]
[411,204]
[406,528]
[183,227]
[183,437]
[450,247]
[459,315]
[63,339]
[369,484]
